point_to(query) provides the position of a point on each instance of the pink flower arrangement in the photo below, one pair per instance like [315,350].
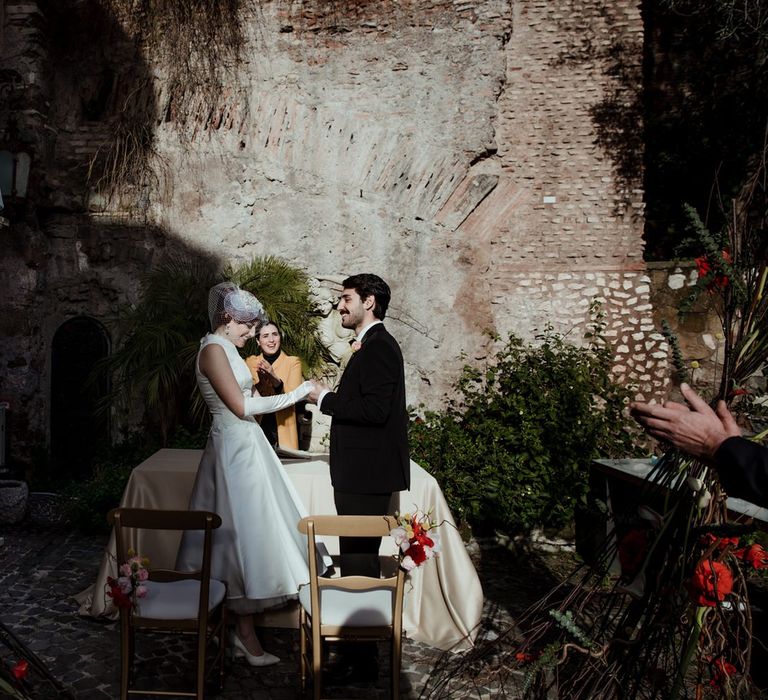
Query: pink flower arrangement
[416,538]
[129,585]
[355,345]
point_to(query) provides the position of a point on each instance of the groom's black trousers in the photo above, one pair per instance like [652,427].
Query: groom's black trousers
[360,555]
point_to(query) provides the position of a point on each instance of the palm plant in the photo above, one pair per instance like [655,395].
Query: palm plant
[284,291]
[159,336]
[158,339]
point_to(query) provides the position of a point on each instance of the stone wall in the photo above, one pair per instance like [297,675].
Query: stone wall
[481,156]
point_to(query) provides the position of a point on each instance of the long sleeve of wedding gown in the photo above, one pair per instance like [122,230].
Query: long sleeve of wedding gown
[256,405]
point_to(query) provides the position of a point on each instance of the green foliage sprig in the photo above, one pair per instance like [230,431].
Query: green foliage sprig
[513,448]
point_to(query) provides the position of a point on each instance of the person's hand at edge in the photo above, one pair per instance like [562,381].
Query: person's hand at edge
[695,429]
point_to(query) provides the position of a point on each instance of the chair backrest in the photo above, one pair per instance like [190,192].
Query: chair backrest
[352,526]
[150,519]
[349,525]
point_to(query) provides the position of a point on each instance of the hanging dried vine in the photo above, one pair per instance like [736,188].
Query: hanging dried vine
[195,46]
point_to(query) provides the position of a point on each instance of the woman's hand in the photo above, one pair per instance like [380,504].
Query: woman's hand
[267,372]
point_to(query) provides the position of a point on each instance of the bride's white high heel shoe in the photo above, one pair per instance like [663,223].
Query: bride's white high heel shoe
[266,659]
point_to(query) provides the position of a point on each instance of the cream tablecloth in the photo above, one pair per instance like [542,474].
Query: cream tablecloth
[443,599]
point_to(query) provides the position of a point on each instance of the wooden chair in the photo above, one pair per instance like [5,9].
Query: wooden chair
[353,608]
[177,602]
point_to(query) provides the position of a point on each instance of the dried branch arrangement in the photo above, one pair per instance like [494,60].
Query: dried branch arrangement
[663,611]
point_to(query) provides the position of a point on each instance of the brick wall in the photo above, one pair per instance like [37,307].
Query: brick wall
[481,156]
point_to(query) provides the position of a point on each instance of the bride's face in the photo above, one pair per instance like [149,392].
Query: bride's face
[241,333]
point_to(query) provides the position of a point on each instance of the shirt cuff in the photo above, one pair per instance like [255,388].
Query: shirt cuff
[322,396]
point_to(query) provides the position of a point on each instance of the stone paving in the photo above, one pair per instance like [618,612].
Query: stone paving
[41,568]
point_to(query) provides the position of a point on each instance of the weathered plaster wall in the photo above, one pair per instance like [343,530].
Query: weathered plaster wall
[471,153]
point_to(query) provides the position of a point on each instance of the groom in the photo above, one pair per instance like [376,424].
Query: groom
[369,426]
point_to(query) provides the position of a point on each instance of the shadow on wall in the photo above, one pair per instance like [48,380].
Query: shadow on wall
[103,108]
[617,115]
[77,429]
[66,274]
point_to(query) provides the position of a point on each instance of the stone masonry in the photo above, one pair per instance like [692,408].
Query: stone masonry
[471,153]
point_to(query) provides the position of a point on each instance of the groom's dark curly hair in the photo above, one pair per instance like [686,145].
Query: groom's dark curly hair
[365,285]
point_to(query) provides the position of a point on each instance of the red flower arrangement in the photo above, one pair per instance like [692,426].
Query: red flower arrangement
[416,538]
[710,583]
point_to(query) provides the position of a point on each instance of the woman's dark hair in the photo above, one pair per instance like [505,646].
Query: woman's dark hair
[271,323]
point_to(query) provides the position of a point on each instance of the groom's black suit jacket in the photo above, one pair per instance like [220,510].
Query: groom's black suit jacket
[742,466]
[369,427]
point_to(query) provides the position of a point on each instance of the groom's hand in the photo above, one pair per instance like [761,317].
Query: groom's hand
[317,390]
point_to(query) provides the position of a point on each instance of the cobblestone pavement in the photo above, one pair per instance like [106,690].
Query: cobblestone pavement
[41,568]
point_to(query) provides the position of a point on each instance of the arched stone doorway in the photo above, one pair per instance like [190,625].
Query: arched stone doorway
[77,430]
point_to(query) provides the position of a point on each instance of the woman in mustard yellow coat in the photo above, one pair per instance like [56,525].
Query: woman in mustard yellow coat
[275,373]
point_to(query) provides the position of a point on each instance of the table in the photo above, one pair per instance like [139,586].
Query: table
[618,483]
[635,471]
[443,598]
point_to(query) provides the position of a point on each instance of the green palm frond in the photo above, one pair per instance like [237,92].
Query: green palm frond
[158,337]
[285,294]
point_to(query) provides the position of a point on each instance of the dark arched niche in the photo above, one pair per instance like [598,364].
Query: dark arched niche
[78,431]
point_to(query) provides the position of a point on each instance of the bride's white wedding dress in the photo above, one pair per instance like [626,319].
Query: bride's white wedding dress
[257,550]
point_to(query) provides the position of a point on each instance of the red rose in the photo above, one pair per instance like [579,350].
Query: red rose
[120,599]
[632,549]
[754,556]
[721,669]
[416,552]
[20,669]
[708,539]
[423,539]
[710,583]
[702,265]
[704,268]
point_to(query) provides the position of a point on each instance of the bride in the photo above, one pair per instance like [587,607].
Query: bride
[258,551]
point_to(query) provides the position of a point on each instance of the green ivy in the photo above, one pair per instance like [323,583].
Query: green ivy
[512,450]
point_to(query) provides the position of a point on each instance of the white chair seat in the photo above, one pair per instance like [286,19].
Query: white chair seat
[344,608]
[177,600]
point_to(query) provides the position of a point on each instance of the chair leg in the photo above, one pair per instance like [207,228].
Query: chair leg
[395,667]
[317,659]
[126,655]
[303,649]
[222,645]
[202,647]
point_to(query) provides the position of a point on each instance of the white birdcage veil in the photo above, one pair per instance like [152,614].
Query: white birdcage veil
[227,301]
